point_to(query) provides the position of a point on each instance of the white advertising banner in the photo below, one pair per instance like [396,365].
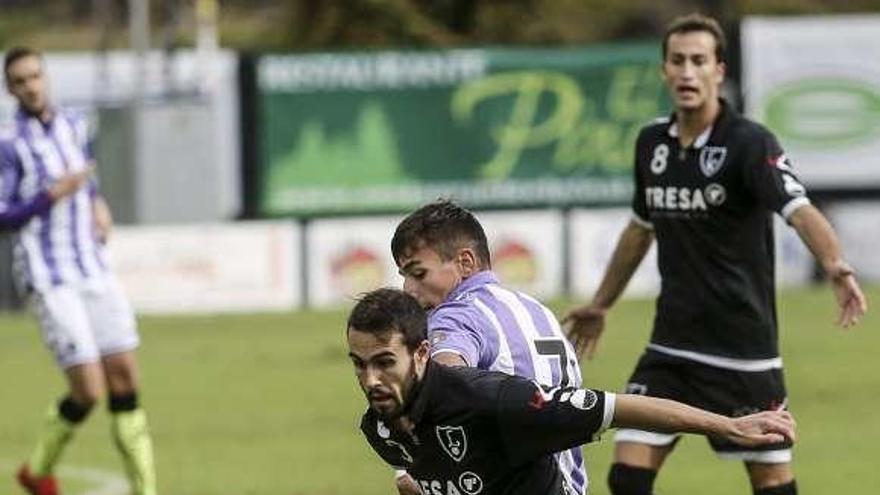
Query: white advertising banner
[858,225]
[594,235]
[815,82]
[794,262]
[349,256]
[250,266]
[526,250]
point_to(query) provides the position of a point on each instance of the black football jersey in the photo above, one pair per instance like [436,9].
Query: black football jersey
[489,433]
[710,206]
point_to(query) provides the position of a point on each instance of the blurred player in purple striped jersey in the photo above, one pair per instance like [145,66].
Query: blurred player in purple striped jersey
[50,199]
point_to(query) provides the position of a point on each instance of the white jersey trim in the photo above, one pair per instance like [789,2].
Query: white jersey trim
[608,413]
[641,221]
[793,205]
[457,353]
[720,361]
[645,437]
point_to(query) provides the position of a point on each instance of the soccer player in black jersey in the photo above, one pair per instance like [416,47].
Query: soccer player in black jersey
[464,431]
[707,182]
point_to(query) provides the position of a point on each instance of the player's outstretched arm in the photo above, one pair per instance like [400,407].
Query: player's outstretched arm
[662,415]
[585,323]
[819,236]
[15,215]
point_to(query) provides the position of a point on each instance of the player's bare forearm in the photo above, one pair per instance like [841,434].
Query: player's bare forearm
[634,242]
[666,416]
[587,322]
[819,237]
[662,415]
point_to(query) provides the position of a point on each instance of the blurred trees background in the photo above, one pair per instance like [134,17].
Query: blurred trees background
[285,25]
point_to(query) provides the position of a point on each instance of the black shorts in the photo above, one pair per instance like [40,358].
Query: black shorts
[719,390]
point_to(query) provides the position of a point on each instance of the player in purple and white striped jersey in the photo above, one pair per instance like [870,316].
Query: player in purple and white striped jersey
[443,256]
[50,200]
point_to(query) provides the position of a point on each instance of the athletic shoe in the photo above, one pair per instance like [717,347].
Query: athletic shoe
[44,485]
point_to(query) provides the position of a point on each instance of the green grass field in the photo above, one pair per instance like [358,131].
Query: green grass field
[262,404]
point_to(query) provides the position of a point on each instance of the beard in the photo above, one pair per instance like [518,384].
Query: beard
[401,404]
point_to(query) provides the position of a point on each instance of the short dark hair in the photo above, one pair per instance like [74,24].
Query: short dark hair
[384,311]
[697,22]
[444,227]
[16,53]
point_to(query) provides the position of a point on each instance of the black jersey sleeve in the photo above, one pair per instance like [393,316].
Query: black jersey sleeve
[534,421]
[770,177]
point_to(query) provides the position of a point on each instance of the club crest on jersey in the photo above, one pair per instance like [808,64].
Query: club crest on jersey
[453,440]
[470,483]
[715,194]
[712,159]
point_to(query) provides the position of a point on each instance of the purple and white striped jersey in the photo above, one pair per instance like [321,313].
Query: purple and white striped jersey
[497,329]
[56,243]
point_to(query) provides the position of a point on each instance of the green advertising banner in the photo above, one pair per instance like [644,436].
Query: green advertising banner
[352,133]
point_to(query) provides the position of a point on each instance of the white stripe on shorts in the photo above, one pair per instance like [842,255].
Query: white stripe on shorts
[766,457]
[721,361]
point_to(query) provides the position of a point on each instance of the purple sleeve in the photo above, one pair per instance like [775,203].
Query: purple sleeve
[13,213]
[453,331]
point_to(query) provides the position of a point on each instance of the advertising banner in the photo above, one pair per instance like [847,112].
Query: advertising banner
[594,235]
[349,256]
[210,268]
[815,82]
[858,225]
[592,239]
[526,249]
[794,262]
[386,131]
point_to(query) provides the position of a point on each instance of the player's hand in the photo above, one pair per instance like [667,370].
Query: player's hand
[69,183]
[407,486]
[585,325]
[103,219]
[763,428]
[850,299]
